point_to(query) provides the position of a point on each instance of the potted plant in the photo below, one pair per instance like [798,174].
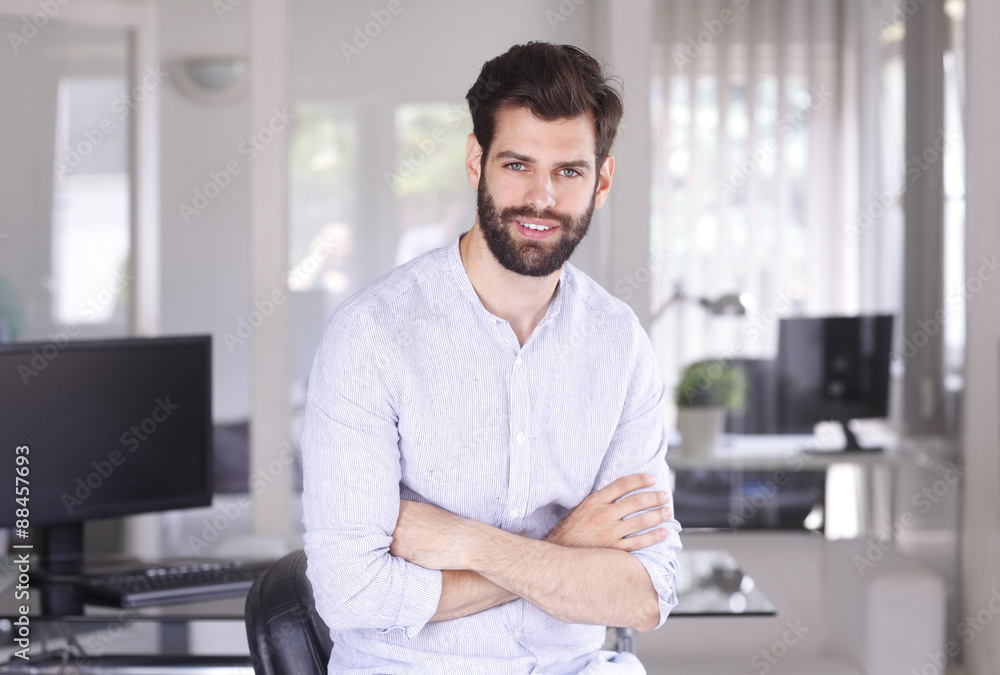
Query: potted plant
[706,391]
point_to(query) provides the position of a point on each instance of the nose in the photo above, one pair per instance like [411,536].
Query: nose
[541,193]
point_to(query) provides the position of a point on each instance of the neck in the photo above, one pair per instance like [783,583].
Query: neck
[520,300]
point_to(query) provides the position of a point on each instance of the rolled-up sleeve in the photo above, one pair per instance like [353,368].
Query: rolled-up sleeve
[351,475]
[639,445]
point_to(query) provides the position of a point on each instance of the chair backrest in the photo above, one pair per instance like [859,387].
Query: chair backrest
[285,633]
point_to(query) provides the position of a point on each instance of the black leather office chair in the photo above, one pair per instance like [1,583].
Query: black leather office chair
[287,635]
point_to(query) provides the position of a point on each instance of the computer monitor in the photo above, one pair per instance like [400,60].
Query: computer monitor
[833,369]
[759,413]
[111,427]
[742,499]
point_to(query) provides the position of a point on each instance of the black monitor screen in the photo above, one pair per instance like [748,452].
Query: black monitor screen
[832,369]
[113,427]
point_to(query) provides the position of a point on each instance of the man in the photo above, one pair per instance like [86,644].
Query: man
[485,485]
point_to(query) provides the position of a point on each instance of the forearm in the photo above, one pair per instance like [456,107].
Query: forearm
[577,585]
[464,592]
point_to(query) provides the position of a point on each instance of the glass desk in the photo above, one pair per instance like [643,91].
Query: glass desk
[710,583]
[57,615]
[784,455]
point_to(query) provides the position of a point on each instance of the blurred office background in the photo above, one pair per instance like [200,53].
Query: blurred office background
[170,166]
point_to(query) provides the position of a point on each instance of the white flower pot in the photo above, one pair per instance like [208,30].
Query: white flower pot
[700,428]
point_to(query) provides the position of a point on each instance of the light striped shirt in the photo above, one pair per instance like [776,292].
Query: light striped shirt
[418,392]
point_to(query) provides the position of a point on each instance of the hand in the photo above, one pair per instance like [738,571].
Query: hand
[598,521]
[431,537]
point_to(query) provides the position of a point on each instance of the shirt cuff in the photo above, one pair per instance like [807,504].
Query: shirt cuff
[421,597]
[660,562]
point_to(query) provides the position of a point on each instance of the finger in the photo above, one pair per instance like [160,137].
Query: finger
[646,520]
[643,540]
[642,501]
[617,489]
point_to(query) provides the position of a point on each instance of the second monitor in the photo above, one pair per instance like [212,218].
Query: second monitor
[832,369]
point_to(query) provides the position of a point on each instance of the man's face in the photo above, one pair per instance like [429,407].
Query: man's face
[537,189]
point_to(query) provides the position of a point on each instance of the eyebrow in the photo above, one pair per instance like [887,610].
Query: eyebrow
[568,164]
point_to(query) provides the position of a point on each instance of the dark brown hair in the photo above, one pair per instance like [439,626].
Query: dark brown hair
[552,81]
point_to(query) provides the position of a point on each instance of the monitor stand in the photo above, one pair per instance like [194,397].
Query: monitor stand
[851,444]
[59,549]
[58,560]
[851,440]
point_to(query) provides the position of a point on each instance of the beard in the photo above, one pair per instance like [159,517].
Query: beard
[529,257]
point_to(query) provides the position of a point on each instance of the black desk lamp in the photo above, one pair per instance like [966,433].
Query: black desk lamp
[730,304]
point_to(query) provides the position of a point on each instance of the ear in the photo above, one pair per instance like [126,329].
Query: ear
[473,161]
[604,181]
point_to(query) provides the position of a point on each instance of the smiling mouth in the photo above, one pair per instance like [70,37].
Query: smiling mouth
[531,229]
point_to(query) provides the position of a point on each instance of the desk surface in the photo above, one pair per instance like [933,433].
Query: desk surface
[710,583]
[64,603]
[791,453]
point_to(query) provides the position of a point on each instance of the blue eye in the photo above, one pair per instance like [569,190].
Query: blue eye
[569,173]
[516,166]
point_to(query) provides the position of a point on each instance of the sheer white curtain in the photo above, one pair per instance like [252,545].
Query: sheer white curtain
[755,126]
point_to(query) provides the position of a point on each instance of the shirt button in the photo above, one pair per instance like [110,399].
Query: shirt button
[518,360]
[514,513]
[520,438]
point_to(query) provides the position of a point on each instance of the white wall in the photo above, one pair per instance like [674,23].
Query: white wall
[430,50]
[25,249]
[205,262]
[981,527]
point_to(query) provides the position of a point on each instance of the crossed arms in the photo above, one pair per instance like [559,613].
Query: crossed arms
[378,562]
[582,572]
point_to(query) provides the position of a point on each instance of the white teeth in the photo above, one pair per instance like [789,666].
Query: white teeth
[532,226]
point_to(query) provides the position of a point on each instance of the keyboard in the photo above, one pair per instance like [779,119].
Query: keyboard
[169,584]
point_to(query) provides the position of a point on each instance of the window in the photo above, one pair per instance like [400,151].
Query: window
[342,233]
[747,111]
[91,238]
[323,222]
[433,205]
[66,267]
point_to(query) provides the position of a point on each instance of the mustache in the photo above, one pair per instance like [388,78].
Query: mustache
[519,212]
